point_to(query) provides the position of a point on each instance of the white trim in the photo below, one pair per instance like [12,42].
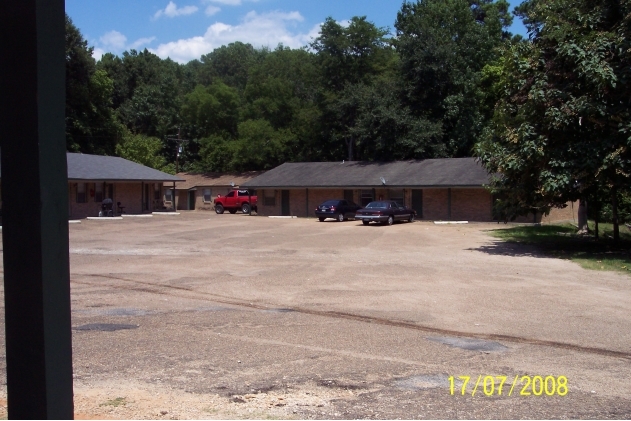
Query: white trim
[103,218]
[165,213]
[451,222]
[283,217]
[138,216]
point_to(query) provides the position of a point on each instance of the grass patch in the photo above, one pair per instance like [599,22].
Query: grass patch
[562,241]
[115,402]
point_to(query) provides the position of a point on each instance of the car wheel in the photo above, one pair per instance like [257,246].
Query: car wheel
[232,211]
[411,218]
[321,219]
[219,209]
[340,217]
[245,208]
[365,222]
[390,220]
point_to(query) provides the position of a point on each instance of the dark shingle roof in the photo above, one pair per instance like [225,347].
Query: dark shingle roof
[447,172]
[213,179]
[111,168]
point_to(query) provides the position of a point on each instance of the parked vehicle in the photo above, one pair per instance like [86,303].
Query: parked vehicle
[234,201]
[385,212]
[338,209]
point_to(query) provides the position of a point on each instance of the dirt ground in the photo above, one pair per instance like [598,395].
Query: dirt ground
[204,316]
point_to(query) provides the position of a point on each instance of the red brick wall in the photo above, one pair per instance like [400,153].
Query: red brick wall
[569,213]
[268,210]
[466,204]
[471,205]
[435,204]
[317,196]
[129,194]
[82,210]
[214,191]
[298,205]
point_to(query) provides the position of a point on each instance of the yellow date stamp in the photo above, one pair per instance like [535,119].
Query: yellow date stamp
[505,386]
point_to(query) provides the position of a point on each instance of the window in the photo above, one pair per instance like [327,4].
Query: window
[269,197]
[231,194]
[98,192]
[156,191]
[207,195]
[243,193]
[81,197]
[396,196]
[366,197]
[168,195]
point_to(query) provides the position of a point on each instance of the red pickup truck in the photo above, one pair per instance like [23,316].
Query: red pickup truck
[235,200]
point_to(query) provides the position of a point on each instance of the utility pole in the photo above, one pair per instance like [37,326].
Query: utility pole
[178,151]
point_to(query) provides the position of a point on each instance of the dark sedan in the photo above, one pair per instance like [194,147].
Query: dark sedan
[338,209]
[385,212]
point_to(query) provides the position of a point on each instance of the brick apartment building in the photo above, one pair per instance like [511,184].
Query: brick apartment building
[450,189]
[92,178]
[198,191]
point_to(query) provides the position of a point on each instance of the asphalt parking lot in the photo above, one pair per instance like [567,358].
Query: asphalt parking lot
[201,315]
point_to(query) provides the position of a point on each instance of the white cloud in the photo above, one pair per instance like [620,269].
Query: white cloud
[97,53]
[115,42]
[211,10]
[172,11]
[140,42]
[265,29]
[226,2]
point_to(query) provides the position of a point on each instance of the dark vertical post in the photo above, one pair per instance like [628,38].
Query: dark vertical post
[35,225]
[449,204]
[174,199]
[307,203]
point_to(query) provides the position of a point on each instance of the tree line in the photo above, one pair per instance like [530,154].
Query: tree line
[548,114]
[356,92]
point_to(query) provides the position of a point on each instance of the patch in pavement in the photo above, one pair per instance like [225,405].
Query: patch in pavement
[423,382]
[279,310]
[212,308]
[105,327]
[116,312]
[469,344]
[334,384]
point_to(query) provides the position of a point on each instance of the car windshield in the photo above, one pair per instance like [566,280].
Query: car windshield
[377,205]
[330,203]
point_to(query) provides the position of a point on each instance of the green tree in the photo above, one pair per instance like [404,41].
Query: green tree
[90,123]
[283,89]
[443,47]
[258,147]
[350,54]
[347,56]
[231,63]
[144,150]
[212,110]
[561,130]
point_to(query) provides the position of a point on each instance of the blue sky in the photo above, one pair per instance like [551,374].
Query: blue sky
[186,29]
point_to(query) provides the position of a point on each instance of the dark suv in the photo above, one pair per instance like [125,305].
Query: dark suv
[337,209]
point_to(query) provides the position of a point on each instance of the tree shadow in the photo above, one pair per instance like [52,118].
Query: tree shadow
[557,242]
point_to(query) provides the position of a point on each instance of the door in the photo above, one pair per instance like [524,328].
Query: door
[145,206]
[191,200]
[417,202]
[284,202]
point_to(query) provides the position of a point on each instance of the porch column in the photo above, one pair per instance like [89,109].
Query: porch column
[449,204]
[35,225]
